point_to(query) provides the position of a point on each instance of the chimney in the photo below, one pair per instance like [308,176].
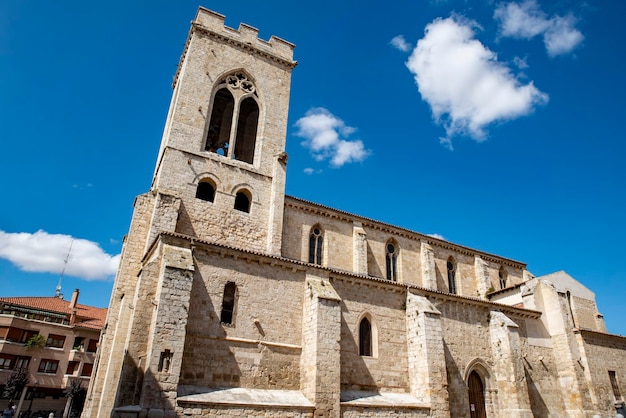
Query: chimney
[74,300]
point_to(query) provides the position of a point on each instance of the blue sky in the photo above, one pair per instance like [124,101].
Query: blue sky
[496,125]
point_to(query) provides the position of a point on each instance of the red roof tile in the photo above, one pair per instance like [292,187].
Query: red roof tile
[86,316]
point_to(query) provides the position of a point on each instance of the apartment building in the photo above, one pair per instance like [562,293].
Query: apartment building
[55,340]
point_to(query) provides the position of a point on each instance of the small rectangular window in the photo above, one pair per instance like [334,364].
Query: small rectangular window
[55,341]
[614,385]
[93,346]
[22,362]
[79,344]
[48,366]
[27,335]
[6,361]
[87,368]
[72,366]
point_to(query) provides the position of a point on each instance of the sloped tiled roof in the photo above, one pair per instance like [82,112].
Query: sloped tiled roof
[86,316]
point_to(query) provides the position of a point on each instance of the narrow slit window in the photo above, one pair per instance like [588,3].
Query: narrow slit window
[451,267]
[205,191]
[218,134]
[228,303]
[315,246]
[502,276]
[365,338]
[392,262]
[242,202]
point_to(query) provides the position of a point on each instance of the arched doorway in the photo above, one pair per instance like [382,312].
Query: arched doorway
[476,396]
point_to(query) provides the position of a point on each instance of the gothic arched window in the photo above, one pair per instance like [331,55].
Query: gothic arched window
[365,337]
[451,267]
[236,100]
[316,239]
[218,136]
[228,303]
[392,261]
[246,130]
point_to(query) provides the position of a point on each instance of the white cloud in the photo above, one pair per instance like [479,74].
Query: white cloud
[463,82]
[526,20]
[400,43]
[45,253]
[326,136]
[520,63]
[562,37]
[441,237]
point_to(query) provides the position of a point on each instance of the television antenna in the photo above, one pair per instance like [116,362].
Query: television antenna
[58,293]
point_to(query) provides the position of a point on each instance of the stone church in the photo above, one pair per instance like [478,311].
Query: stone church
[235,300]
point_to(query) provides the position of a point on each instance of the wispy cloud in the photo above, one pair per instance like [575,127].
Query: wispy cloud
[310,171]
[463,82]
[46,253]
[400,43]
[326,136]
[526,20]
[438,236]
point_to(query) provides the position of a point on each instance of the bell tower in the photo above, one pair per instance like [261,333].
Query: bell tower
[223,149]
[220,179]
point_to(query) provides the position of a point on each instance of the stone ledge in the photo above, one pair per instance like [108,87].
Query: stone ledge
[242,397]
[356,398]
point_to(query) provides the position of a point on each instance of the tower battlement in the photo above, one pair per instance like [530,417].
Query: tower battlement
[211,21]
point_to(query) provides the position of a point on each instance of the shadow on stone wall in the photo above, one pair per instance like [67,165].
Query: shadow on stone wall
[207,360]
[441,283]
[147,391]
[457,390]
[183,223]
[537,405]
[355,374]
[373,268]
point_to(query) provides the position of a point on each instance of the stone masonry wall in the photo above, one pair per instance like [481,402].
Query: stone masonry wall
[338,229]
[585,313]
[603,353]
[240,411]
[261,349]
[387,369]
[355,412]
[217,221]
[466,339]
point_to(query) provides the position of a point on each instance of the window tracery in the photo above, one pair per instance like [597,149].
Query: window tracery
[233,124]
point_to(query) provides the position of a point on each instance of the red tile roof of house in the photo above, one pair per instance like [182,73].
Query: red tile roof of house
[86,316]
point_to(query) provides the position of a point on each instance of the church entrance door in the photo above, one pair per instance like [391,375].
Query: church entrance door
[476,396]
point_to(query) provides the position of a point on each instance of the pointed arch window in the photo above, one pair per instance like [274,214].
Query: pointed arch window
[234,119]
[205,191]
[502,275]
[242,201]
[218,135]
[228,303]
[365,337]
[451,267]
[316,241]
[392,261]
[246,130]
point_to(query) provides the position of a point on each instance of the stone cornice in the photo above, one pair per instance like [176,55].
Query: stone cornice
[329,212]
[619,339]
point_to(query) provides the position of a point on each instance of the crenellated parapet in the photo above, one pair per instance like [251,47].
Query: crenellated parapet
[246,37]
